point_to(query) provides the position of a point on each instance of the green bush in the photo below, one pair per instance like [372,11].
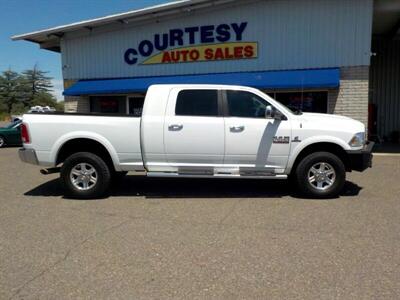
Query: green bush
[4,116]
[59,106]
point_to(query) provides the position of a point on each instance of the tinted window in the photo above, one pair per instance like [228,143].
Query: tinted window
[197,103]
[245,105]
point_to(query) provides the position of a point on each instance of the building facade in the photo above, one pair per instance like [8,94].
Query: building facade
[313,55]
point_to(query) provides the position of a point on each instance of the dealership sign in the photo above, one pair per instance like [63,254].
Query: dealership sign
[194,44]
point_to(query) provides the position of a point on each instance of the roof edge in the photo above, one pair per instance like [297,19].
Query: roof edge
[33,36]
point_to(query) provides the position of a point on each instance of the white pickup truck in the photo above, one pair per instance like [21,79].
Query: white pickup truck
[212,131]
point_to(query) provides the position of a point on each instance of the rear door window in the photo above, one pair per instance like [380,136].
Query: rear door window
[200,103]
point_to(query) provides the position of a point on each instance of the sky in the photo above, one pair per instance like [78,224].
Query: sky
[23,16]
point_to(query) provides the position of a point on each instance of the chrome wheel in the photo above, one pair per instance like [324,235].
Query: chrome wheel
[2,143]
[321,176]
[83,176]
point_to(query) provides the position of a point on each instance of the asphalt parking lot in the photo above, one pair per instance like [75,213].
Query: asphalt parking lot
[195,239]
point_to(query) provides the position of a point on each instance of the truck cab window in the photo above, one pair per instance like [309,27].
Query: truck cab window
[245,105]
[197,103]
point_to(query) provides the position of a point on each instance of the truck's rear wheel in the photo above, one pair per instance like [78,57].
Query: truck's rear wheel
[321,175]
[85,176]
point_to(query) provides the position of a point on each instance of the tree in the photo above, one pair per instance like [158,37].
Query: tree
[18,108]
[60,106]
[18,92]
[11,89]
[3,106]
[35,82]
[47,99]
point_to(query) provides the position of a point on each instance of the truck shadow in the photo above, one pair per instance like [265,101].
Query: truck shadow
[138,186]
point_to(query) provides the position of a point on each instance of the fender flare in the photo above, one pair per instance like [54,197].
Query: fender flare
[312,141]
[60,142]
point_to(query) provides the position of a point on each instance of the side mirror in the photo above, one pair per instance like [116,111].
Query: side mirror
[269,112]
[272,113]
[279,116]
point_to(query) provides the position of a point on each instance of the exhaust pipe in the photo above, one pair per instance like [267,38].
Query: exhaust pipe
[50,171]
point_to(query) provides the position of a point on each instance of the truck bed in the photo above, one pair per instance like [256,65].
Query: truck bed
[120,134]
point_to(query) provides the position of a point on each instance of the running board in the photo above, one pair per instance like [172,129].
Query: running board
[174,175]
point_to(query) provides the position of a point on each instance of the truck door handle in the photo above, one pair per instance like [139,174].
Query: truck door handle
[237,128]
[175,127]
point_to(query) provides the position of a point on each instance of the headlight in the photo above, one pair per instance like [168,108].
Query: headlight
[358,140]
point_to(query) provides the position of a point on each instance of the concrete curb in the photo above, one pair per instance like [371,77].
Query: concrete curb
[387,154]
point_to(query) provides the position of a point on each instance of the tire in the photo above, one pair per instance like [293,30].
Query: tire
[85,176]
[320,175]
[2,142]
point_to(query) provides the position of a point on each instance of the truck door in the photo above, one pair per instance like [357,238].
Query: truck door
[253,142]
[194,131]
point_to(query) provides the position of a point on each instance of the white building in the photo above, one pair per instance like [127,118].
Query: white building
[329,56]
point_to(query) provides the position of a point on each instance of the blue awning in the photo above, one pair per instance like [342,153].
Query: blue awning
[296,79]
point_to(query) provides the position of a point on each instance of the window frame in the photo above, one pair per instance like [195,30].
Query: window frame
[219,102]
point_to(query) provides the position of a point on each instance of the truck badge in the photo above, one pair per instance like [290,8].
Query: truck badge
[296,140]
[281,140]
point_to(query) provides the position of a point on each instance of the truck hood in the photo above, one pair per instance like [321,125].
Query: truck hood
[329,121]
[326,117]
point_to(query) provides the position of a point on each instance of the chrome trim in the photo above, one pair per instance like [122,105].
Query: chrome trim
[175,175]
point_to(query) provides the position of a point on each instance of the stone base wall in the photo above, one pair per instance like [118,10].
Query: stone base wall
[77,104]
[351,99]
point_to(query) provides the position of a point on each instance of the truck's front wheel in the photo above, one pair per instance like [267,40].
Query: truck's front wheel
[85,176]
[321,175]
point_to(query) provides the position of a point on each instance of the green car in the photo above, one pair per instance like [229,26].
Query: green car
[10,135]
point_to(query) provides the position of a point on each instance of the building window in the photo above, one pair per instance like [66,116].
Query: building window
[245,105]
[135,105]
[197,103]
[305,101]
[108,104]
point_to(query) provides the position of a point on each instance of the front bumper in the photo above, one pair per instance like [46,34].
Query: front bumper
[28,156]
[361,159]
